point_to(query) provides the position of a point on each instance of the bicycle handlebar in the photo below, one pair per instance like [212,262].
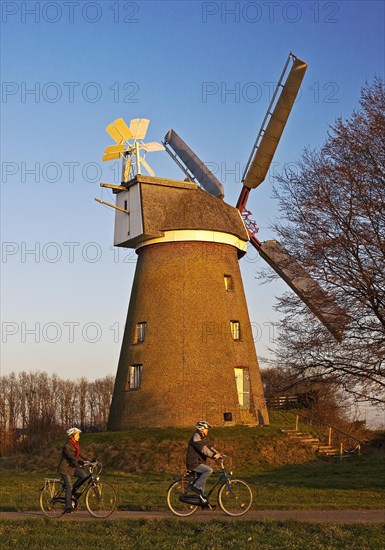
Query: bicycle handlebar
[90,463]
[221,459]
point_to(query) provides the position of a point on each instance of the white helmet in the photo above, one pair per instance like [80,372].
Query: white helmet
[73,431]
[202,424]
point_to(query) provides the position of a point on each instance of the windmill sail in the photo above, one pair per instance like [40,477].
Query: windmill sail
[152,146]
[269,137]
[307,288]
[138,127]
[112,152]
[128,144]
[122,128]
[119,131]
[193,165]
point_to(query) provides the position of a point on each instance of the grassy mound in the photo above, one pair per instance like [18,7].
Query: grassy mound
[163,450]
[141,464]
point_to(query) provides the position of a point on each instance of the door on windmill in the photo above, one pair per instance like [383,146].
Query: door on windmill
[242,379]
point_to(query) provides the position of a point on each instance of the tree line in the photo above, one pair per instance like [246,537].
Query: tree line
[36,407]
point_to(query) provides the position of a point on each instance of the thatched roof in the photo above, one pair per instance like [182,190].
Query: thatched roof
[175,205]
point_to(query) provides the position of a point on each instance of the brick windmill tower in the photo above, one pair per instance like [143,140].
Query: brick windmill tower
[188,351]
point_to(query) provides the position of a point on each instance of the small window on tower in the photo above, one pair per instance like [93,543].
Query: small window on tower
[140,332]
[134,377]
[229,283]
[235,330]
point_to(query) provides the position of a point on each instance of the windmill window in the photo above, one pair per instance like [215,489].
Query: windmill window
[229,283]
[235,330]
[134,377]
[140,332]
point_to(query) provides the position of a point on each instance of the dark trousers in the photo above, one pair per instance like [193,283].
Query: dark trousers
[80,474]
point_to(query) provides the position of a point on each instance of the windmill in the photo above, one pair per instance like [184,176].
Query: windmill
[188,350]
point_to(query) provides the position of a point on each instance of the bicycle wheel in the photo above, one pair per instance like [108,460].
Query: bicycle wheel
[235,498]
[52,499]
[176,506]
[101,499]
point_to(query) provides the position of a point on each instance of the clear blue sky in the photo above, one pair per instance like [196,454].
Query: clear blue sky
[204,68]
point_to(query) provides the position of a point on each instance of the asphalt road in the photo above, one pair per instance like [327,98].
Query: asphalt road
[304,516]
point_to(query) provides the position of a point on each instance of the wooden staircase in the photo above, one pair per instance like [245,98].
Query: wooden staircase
[322,449]
[314,442]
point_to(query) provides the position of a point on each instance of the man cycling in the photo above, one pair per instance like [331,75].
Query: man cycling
[198,450]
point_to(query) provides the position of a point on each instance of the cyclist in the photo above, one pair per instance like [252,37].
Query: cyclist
[198,450]
[71,465]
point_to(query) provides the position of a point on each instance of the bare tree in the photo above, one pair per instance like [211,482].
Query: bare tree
[99,400]
[10,407]
[333,221]
[41,407]
[83,385]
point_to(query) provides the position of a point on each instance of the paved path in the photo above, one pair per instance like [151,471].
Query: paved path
[308,516]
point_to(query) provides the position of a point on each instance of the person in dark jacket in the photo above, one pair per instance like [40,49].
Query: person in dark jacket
[198,450]
[71,465]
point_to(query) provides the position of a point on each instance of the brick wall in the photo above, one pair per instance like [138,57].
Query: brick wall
[188,355]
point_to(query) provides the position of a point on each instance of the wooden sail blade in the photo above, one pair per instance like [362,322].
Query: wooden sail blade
[114,133]
[123,129]
[307,288]
[152,146]
[147,166]
[112,152]
[138,127]
[265,149]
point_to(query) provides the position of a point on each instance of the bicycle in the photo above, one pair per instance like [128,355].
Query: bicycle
[100,496]
[234,495]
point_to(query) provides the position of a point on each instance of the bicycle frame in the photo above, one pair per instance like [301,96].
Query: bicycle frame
[223,478]
[99,496]
[78,489]
[82,485]
[235,496]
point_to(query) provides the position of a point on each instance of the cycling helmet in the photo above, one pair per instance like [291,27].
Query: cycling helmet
[73,431]
[202,424]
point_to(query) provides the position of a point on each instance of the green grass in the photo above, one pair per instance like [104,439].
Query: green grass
[166,534]
[357,484]
[140,464]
